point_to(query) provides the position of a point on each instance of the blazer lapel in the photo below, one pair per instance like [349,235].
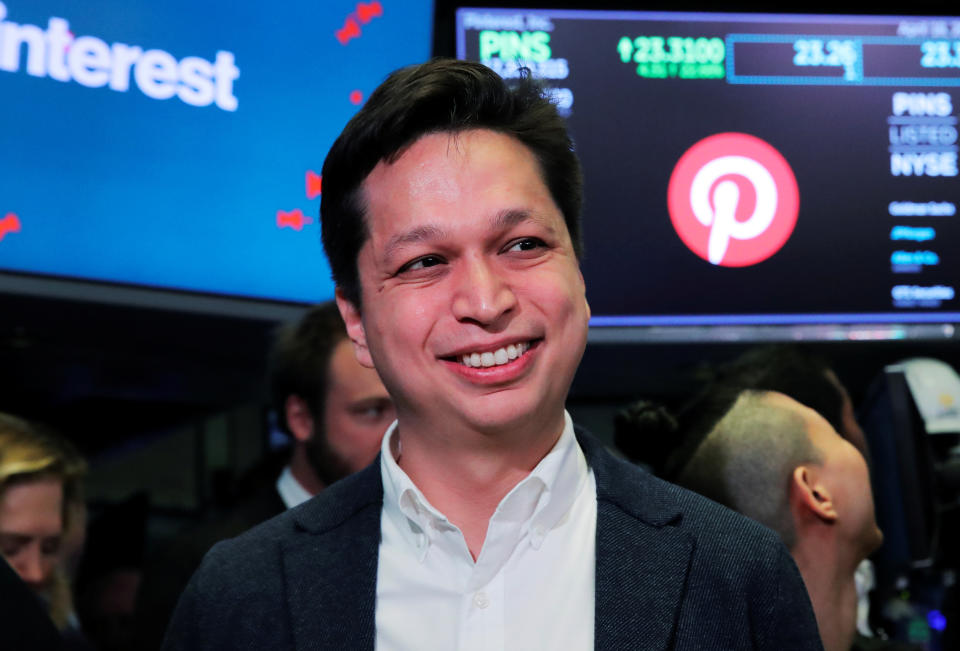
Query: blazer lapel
[330,568]
[641,574]
[642,559]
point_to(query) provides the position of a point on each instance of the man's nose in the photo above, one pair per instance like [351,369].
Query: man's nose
[483,293]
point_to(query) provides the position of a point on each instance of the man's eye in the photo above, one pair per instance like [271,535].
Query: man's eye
[422,263]
[526,244]
[374,412]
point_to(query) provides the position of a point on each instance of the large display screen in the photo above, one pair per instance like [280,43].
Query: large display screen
[178,144]
[752,169]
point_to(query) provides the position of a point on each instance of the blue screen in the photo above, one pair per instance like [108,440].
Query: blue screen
[179,144]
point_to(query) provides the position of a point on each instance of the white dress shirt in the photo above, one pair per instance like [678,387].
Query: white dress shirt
[532,585]
[291,491]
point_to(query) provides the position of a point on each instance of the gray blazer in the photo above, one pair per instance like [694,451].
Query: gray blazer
[674,571]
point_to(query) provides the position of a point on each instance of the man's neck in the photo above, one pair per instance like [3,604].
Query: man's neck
[465,474]
[830,582]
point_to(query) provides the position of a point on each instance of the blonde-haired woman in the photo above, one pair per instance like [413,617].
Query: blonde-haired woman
[40,502]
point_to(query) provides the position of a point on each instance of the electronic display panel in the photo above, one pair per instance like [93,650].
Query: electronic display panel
[748,169]
[178,145]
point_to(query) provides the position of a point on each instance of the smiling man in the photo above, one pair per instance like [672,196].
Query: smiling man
[451,220]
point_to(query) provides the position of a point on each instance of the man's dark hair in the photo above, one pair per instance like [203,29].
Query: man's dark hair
[792,370]
[648,433]
[747,458]
[440,96]
[300,360]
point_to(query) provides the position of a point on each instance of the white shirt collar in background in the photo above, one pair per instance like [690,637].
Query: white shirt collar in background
[291,491]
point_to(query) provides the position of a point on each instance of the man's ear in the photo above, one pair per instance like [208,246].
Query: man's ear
[811,495]
[299,419]
[358,336]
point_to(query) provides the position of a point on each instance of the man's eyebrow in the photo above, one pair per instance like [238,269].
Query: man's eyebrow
[516,216]
[419,234]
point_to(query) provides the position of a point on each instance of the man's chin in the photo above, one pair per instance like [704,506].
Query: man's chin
[509,418]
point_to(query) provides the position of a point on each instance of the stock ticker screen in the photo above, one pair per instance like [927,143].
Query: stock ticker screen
[177,144]
[759,169]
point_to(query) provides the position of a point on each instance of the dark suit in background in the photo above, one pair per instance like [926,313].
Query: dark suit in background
[673,570]
[167,574]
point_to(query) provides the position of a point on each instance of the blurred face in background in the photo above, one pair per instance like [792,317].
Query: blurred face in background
[31,528]
[356,413]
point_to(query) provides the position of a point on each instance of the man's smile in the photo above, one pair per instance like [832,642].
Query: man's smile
[495,357]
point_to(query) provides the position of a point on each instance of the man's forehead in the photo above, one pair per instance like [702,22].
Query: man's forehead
[427,158]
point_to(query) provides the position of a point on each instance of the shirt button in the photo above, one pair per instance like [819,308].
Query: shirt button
[539,531]
[480,600]
[421,540]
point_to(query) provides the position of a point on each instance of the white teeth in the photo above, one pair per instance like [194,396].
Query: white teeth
[495,358]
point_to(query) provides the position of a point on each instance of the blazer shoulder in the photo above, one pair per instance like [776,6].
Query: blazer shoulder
[654,500]
[741,587]
[734,544]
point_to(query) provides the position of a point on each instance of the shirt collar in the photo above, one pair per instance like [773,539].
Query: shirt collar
[539,501]
[291,491]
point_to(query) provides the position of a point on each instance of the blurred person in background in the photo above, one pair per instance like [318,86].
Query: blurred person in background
[41,507]
[335,412]
[782,464]
[24,621]
[791,369]
[667,443]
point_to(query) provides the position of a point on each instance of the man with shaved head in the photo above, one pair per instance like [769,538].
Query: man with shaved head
[784,465]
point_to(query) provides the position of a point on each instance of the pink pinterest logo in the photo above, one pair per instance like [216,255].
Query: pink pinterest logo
[733,199]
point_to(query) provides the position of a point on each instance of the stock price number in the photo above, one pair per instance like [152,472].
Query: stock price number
[833,53]
[940,54]
[674,56]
